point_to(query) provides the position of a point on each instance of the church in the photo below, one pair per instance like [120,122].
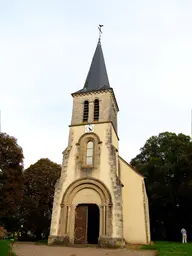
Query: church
[99,198]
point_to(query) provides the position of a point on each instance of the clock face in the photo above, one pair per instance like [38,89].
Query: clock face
[89,128]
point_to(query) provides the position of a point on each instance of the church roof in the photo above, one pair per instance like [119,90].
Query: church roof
[97,78]
[133,169]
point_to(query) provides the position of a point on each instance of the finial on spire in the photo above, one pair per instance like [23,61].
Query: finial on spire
[100,32]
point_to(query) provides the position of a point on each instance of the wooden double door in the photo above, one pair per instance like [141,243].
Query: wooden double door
[86,224]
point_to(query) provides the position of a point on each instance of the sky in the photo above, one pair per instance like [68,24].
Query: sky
[46,47]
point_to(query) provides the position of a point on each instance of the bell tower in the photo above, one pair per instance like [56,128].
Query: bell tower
[96,102]
[90,169]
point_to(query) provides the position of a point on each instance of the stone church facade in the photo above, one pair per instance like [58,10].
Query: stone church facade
[99,198]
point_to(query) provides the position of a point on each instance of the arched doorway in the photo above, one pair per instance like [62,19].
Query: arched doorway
[95,196]
[87,219]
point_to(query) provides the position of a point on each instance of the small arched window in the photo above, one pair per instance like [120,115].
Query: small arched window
[86,111]
[96,110]
[89,153]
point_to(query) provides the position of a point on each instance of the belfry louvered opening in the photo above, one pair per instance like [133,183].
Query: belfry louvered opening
[96,110]
[86,111]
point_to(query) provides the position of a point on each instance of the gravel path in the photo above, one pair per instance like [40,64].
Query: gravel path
[25,249]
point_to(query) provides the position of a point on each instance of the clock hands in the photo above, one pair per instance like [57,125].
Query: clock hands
[89,128]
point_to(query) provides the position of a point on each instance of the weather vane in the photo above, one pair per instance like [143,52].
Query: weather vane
[100,32]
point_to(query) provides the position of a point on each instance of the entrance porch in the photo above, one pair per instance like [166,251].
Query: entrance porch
[86,215]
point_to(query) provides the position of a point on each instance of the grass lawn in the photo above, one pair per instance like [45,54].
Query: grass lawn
[170,248]
[5,248]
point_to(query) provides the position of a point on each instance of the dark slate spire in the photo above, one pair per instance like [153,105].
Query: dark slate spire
[97,78]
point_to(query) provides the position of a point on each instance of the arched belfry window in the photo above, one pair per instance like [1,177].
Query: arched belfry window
[86,111]
[96,110]
[89,153]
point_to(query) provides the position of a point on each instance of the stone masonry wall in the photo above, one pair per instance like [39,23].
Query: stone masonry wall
[58,187]
[108,110]
[113,116]
[116,187]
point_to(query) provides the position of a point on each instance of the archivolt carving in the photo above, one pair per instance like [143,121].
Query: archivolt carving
[89,135]
[76,186]
[67,204]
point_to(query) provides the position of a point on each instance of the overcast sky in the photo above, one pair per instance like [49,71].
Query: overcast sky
[45,52]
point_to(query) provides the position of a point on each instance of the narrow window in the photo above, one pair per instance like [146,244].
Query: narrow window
[86,111]
[89,153]
[96,110]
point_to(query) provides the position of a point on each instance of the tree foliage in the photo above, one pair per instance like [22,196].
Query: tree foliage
[166,162]
[11,164]
[38,193]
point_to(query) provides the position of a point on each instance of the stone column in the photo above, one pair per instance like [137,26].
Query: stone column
[71,223]
[104,220]
[61,228]
[101,221]
[68,219]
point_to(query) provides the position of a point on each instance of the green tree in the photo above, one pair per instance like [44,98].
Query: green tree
[165,162]
[38,193]
[11,165]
